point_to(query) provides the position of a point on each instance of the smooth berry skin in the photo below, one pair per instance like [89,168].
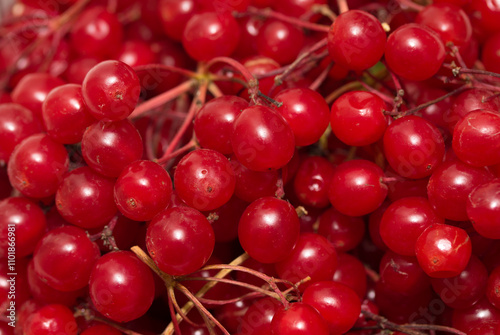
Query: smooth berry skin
[46,294]
[356,40]
[483,209]
[204,179]
[262,139]
[338,304]
[65,115]
[481,313]
[32,90]
[142,190]
[298,319]
[357,118]
[489,55]
[213,125]
[344,232]
[351,272]
[37,165]
[269,229]
[51,319]
[279,41]
[21,222]
[175,15]
[356,188]
[465,289]
[121,286]
[135,53]
[108,147]
[85,198]
[97,33]
[306,112]
[443,251]
[451,184]
[210,34]
[16,124]
[312,256]
[64,258]
[180,240]
[295,8]
[493,287]
[252,185]
[111,90]
[403,274]
[450,22]
[413,146]
[312,180]
[403,222]
[414,52]
[476,138]
[257,319]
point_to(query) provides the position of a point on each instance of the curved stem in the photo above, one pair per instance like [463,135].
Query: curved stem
[411,5]
[196,104]
[165,158]
[297,22]
[386,324]
[436,328]
[163,98]
[321,78]
[249,77]
[189,305]
[343,7]
[172,309]
[353,85]
[162,67]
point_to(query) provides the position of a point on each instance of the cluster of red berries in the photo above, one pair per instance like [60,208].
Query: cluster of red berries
[250,167]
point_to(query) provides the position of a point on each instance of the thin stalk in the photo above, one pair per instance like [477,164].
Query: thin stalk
[163,98]
[165,158]
[297,22]
[321,78]
[172,310]
[343,7]
[162,67]
[353,85]
[411,5]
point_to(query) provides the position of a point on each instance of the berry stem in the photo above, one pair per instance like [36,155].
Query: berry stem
[382,96]
[173,309]
[189,146]
[343,7]
[460,70]
[386,324]
[156,69]
[411,5]
[251,295]
[163,98]
[106,234]
[317,46]
[297,22]
[189,305]
[321,78]
[436,328]
[214,90]
[196,104]
[353,85]
[168,279]
[249,77]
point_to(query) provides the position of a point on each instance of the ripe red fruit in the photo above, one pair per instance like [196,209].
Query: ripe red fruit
[180,240]
[443,251]
[51,319]
[356,40]
[269,229]
[414,52]
[299,319]
[111,90]
[483,210]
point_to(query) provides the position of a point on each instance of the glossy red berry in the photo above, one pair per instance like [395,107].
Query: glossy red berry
[174,16]
[403,222]
[344,232]
[16,124]
[298,319]
[351,272]
[338,304]
[312,180]
[142,190]
[204,179]
[37,165]
[483,209]
[65,114]
[413,146]
[108,147]
[51,319]
[443,251]
[210,34]
[356,188]
[22,223]
[356,40]
[111,90]
[414,52]
[69,246]
[121,286]
[306,112]
[252,185]
[262,139]
[85,198]
[180,240]
[269,229]
[280,41]
[476,138]
[213,124]
[312,256]
[358,118]
[403,274]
